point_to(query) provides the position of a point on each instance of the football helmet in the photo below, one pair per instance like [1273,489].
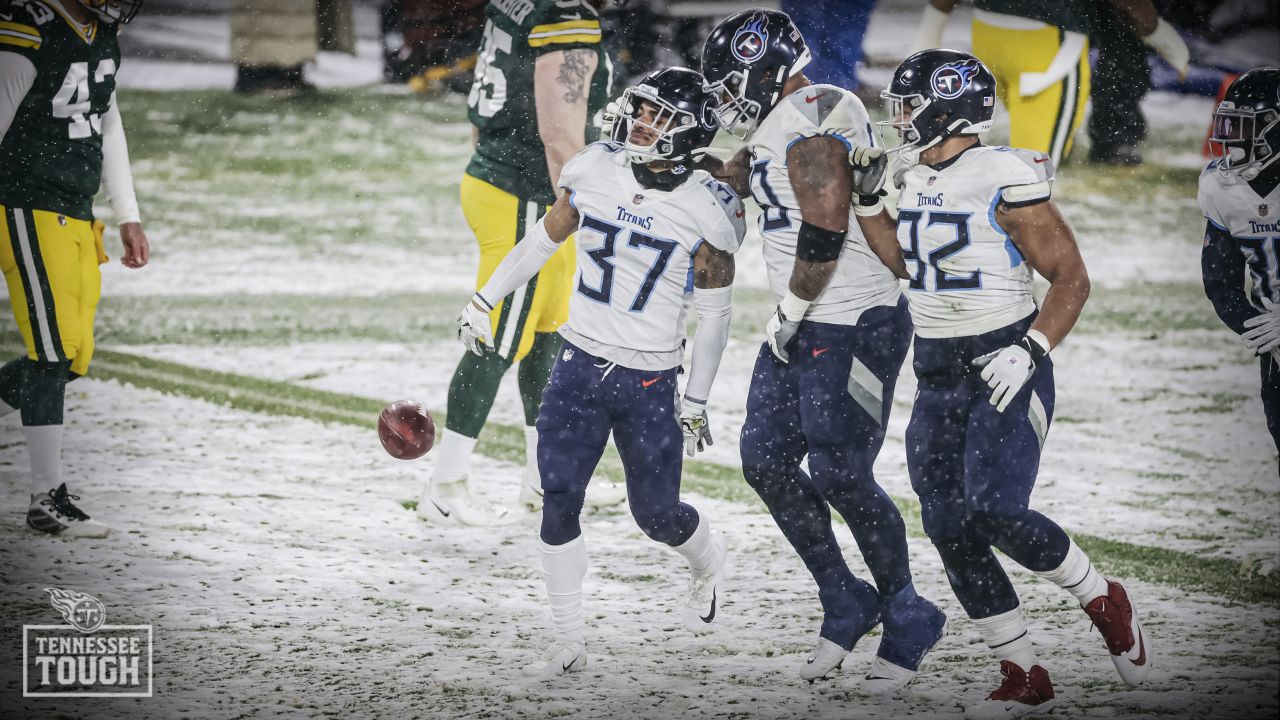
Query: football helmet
[938,93]
[1246,125]
[667,115]
[747,59]
[113,11]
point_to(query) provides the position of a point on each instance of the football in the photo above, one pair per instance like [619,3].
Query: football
[406,429]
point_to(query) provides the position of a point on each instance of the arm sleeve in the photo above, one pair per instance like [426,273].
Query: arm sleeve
[562,26]
[715,311]
[1222,269]
[117,176]
[17,75]
[520,265]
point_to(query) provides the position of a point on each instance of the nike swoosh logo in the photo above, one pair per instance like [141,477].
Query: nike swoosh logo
[813,98]
[819,351]
[442,510]
[1142,652]
[647,383]
[711,615]
[740,213]
[564,667]
[1040,160]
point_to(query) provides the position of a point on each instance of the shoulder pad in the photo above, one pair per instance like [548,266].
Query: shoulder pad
[1040,164]
[731,206]
[829,110]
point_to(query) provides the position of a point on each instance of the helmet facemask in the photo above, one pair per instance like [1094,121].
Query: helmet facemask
[113,11]
[1240,139]
[663,127]
[737,114]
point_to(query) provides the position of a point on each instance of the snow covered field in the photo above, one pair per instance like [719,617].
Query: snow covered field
[312,254]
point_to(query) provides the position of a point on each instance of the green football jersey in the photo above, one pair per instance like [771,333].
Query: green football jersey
[1073,15]
[509,154]
[51,157]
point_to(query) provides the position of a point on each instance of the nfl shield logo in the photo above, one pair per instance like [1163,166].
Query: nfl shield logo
[1263,210]
[637,199]
[931,179]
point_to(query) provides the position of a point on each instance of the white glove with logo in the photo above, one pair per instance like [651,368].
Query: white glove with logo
[611,116]
[474,329]
[1263,334]
[695,426]
[870,169]
[1168,43]
[782,326]
[1007,370]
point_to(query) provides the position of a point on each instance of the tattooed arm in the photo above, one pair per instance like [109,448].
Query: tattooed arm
[561,84]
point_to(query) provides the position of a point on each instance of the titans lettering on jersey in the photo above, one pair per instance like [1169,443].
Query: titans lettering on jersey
[1231,205]
[635,256]
[860,281]
[967,277]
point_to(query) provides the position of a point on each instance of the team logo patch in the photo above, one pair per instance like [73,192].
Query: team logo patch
[931,180]
[1264,210]
[952,79]
[637,199]
[750,41]
[82,611]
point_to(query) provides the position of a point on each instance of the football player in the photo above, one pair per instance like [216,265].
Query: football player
[823,382]
[60,138]
[974,223]
[650,232]
[542,75]
[1240,200]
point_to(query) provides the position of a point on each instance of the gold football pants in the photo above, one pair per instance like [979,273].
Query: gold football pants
[1046,121]
[499,220]
[50,264]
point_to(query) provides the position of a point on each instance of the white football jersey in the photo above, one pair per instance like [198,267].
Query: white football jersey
[635,248]
[967,277]
[1253,221]
[860,280]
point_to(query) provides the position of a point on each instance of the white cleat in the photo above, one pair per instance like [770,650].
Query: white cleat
[825,659]
[54,513]
[601,495]
[703,601]
[885,678]
[562,657]
[453,504]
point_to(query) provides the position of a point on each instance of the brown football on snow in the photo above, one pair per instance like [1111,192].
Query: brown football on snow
[406,430]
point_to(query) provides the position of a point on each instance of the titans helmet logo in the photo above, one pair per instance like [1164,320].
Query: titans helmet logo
[750,41]
[85,612]
[951,80]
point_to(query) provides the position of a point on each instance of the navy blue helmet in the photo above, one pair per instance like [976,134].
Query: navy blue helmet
[679,119]
[746,60]
[939,93]
[1246,125]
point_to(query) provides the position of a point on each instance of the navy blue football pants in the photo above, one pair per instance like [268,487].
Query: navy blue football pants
[831,402]
[586,399]
[974,468]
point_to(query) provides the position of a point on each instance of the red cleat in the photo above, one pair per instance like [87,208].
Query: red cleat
[1115,617]
[1022,693]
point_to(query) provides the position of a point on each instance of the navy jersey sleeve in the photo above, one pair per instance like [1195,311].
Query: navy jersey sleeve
[1222,269]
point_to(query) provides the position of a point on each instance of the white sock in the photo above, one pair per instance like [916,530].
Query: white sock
[563,567]
[44,446]
[6,408]
[1006,635]
[699,550]
[454,463]
[1077,576]
[532,476]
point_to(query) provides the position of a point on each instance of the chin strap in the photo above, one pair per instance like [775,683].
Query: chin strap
[666,181]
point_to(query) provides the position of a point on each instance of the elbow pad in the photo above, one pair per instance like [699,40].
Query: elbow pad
[818,244]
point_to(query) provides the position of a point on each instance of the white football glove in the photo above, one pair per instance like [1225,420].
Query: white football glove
[1006,371]
[782,326]
[1263,334]
[695,426]
[870,168]
[612,114]
[474,329]
[1169,45]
